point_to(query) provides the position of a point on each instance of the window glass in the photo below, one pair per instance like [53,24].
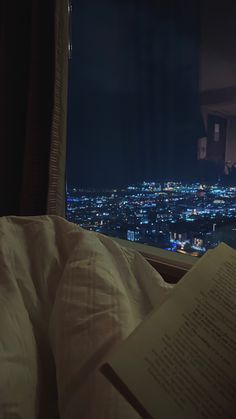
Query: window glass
[152,122]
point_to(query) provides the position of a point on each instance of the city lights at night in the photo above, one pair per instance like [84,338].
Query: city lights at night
[186,218]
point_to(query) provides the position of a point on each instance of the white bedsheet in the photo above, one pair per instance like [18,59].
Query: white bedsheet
[67,296]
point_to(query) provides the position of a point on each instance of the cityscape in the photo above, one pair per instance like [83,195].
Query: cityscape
[187,218]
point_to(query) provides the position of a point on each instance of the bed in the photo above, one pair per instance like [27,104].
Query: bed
[67,297]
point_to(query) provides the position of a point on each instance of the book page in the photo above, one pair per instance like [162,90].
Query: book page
[181,361]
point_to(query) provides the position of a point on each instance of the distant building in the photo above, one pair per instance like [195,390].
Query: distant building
[133,235]
[178,237]
[201,193]
[198,242]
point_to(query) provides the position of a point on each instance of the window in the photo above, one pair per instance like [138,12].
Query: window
[152,123]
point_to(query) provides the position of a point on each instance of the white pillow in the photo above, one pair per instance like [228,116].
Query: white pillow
[18,354]
[104,292]
[27,369]
[91,292]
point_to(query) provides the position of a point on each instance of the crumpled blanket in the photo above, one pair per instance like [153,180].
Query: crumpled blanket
[67,297]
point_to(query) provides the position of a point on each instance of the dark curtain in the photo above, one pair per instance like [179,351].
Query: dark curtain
[134,111]
[26,104]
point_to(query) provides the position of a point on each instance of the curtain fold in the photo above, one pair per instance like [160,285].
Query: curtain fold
[33,97]
[56,186]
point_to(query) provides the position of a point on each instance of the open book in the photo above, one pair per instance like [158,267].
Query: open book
[180,362]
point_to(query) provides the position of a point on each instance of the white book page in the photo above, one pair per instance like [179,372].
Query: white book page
[181,361]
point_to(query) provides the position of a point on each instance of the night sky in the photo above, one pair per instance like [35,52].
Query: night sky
[134,109]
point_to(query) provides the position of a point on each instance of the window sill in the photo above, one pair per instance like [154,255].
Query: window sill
[172,266]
